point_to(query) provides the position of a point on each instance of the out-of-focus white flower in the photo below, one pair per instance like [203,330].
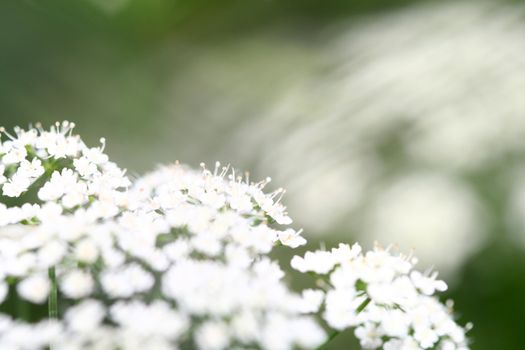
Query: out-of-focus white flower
[51,253]
[156,319]
[436,215]
[85,317]
[34,288]
[125,281]
[77,284]
[311,300]
[344,253]
[319,262]
[86,251]
[213,336]
[369,336]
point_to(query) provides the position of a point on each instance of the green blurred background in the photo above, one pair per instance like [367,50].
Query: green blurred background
[389,120]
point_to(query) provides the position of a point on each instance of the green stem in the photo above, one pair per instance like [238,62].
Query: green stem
[362,306]
[334,334]
[53,295]
[52,301]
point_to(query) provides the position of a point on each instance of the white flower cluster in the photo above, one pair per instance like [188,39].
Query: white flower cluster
[215,208]
[60,169]
[179,259]
[390,305]
[219,231]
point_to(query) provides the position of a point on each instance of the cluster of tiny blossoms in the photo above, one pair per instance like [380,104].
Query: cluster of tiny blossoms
[55,166]
[390,305]
[178,259]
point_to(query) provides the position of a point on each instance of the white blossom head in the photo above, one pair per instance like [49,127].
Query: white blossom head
[115,258]
[40,168]
[388,303]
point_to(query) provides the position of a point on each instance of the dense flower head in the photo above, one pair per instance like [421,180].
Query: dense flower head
[216,209]
[179,258]
[39,166]
[389,303]
[120,254]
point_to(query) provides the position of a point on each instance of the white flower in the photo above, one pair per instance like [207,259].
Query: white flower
[261,238]
[343,253]
[403,344]
[156,319]
[276,212]
[86,251]
[212,336]
[77,284]
[205,281]
[15,186]
[21,265]
[34,288]
[76,195]
[427,284]
[281,332]
[177,250]
[369,336]
[31,169]
[237,256]
[381,295]
[61,146]
[340,308]
[60,183]
[307,333]
[207,243]
[245,327]
[125,281]
[51,253]
[85,317]
[291,238]
[95,155]
[320,262]
[395,323]
[15,154]
[311,300]
[49,212]
[84,166]
[426,337]
[54,188]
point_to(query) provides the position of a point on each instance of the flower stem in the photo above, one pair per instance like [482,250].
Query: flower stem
[53,295]
[362,306]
